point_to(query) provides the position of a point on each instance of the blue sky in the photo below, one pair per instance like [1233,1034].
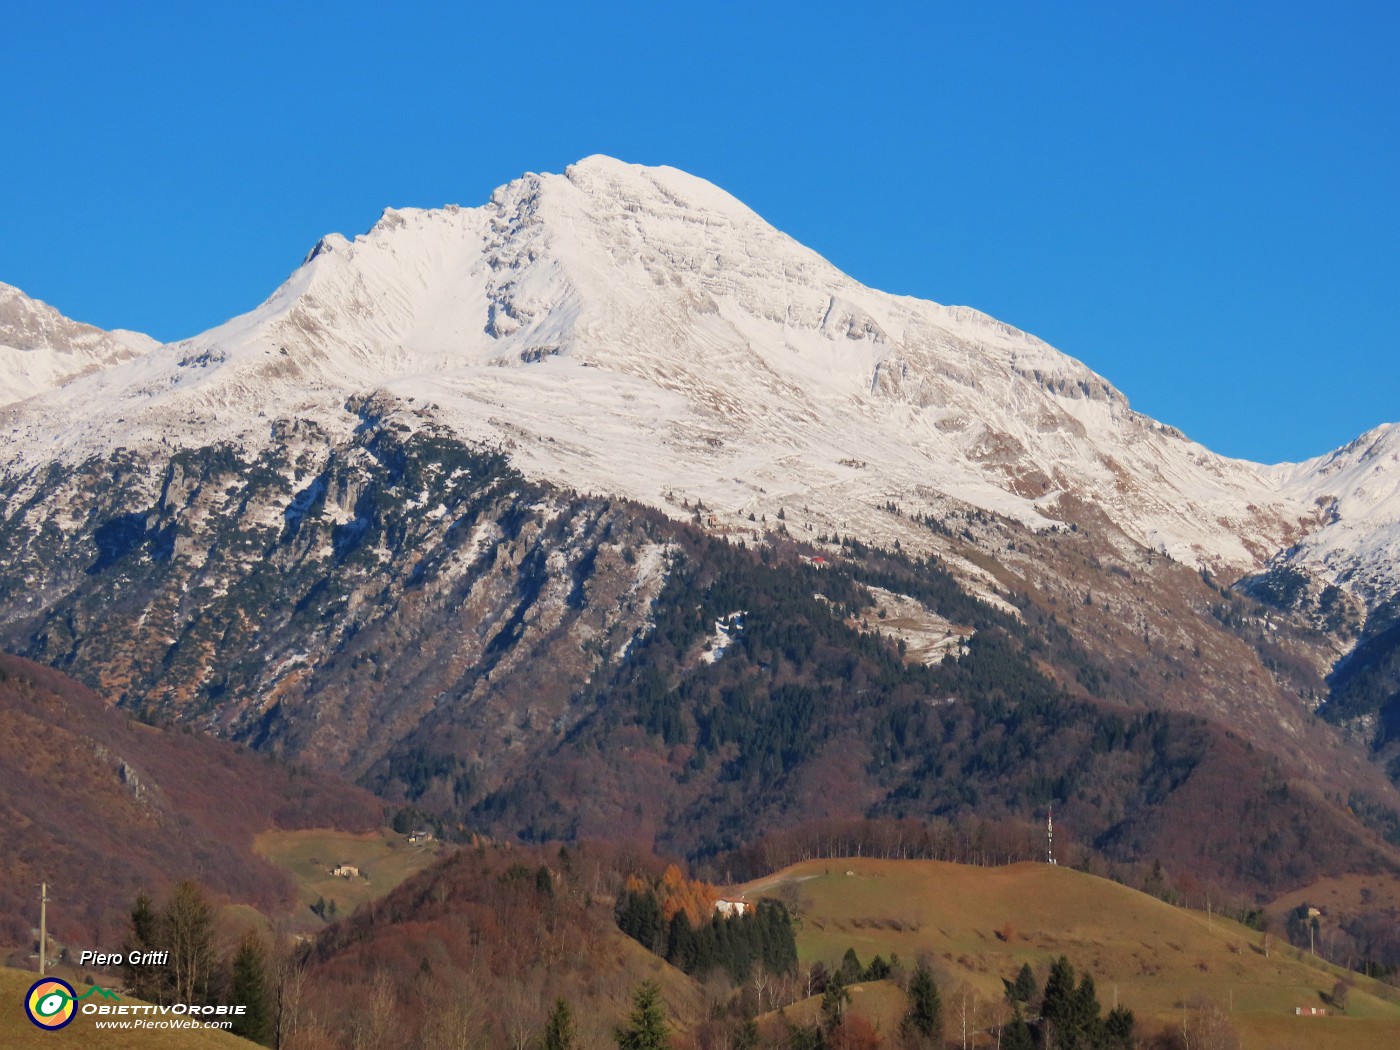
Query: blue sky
[1197,199]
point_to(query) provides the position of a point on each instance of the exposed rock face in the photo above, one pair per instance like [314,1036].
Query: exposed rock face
[328,600]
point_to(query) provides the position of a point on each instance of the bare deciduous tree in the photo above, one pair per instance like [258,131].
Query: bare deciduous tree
[188,923]
[965,1008]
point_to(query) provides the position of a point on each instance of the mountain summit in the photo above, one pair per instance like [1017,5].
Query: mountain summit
[638,331]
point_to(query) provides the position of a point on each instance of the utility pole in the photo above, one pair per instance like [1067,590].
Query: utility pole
[43,927]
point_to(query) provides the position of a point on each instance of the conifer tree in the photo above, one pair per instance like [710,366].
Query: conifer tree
[1069,1014]
[680,943]
[144,981]
[878,970]
[1017,1035]
[923,1024]
[1084,1026]
[250,991]
[560,1033]
[1118,1029]
[1023,987]
[1057,1004]
[850,969]
[834,1002]
[646,1025]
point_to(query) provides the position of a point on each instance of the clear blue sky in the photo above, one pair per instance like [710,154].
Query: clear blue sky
[1197,199]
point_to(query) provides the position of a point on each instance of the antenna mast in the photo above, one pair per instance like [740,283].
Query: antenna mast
[1050,836]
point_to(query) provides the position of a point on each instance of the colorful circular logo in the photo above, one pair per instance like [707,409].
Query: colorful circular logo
[49,1003]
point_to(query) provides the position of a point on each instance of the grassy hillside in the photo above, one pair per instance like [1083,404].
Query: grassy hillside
[979,925]
[17,1033]
[384,859]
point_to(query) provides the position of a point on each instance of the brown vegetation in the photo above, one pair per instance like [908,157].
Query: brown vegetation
[518,927]
[101,807]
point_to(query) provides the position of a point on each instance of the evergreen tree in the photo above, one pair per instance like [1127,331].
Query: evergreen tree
[144,981]
[878,970]
[802,1037]
[1017,1034]
[1057,1004]
[779,942]
[1070,1014]
[761,937]
[680,943]
[1118,1029]
[544,882]
[250,990]
[924,1021]
[560,1033]
[646,1025]
[850,969]
[639,916]
[143,923]
[1023,987]
[834,1002]
[1084,1027]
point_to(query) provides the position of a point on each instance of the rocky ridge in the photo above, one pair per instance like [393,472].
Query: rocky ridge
[637,331]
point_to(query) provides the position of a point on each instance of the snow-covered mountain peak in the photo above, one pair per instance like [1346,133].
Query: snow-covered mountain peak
[639,331]
[602,177]
[1358,486]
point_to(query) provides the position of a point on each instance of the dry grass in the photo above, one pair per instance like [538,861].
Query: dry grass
[1317,1033]
[1345,895]
[1152,956]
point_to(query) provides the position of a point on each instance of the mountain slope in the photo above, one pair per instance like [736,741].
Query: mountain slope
[411,613]
[639,332]
[40,349]
[103,807]
[1359,486]
[358,527]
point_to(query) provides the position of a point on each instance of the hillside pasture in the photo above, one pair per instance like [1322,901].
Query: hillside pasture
[976,926]
[383,858]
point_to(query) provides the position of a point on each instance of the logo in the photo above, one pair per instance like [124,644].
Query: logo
[50,1003]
